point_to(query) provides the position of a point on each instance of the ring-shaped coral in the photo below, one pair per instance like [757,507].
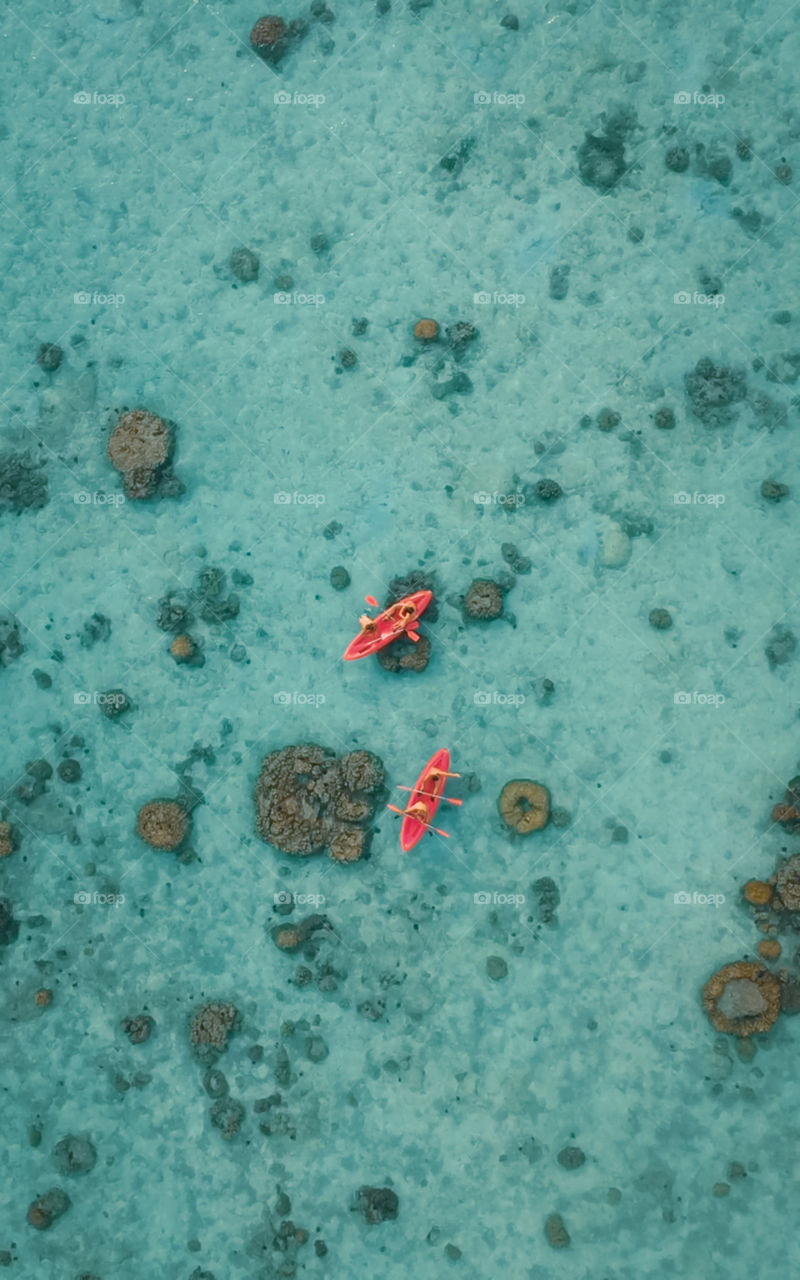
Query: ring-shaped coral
[742,998]
[524,806]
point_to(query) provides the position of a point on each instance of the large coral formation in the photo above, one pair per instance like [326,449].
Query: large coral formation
[140,447]
[307,800]
[163,824]
[524,806]
[742,998]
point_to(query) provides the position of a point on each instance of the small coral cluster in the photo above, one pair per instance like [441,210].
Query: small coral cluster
[745,997]
[308,800]
[788,812]
[178,610]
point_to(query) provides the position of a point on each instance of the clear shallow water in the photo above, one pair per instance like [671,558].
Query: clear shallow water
[461,1094]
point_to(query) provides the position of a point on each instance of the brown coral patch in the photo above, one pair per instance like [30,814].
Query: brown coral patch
[163,824]
[347,845]
[769,949]
[757,892]
[6,839]
[212,1023]
[426,330]
[786,814]
[405,655]
[291,936]
[524,806]
[139,447]
[268,32]
[787,884]
[484,600]
[742,998]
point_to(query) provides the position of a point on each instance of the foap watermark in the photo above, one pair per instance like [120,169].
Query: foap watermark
[85,99]
[84,299]
[84,699]
[494,698]
[498,299]
[298,299]
[286,899]
[495,899]
[697,699]
[698,499]
[684,899]
[85,499]
[495,99]
[684,298]
[510,500]
[284,99]
[284,499]
[297,699]
[86,899]
[685,99]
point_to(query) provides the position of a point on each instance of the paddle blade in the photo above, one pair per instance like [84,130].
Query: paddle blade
[371,601]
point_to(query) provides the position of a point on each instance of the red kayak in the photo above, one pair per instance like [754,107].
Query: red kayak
[426,796]
[400,618]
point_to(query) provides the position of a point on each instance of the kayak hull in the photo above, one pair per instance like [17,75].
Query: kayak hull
[387,626]
[412,830]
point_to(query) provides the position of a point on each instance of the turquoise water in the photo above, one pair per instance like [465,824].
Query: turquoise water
[606,194]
